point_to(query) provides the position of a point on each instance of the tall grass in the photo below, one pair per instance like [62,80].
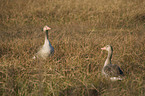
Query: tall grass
[79,29]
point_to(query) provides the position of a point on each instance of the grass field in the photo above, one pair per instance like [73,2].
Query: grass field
[80,28]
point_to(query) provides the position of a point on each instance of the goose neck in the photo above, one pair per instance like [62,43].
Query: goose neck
[46,34]
[46,38]
[108,60]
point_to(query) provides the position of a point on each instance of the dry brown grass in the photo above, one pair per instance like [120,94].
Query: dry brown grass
[79,29]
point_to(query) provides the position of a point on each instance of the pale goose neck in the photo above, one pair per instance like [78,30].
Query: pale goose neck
[108,60]
[46,38]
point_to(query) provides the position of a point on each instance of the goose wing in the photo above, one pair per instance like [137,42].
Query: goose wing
[113,70]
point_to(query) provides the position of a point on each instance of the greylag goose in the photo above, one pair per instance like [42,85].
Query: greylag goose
[46,50]
[110,70]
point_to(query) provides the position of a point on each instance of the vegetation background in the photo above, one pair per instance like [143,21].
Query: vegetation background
[79,29]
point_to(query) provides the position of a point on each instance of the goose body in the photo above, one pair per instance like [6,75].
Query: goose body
[110,70]
[46,50]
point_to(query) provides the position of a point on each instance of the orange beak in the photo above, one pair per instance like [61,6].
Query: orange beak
[48,28]
[104,48]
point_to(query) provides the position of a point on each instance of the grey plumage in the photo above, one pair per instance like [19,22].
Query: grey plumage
[113,70]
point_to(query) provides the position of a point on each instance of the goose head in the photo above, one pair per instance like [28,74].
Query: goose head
[46,28]
[108,48]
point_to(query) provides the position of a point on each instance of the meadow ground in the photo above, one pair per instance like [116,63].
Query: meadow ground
[80,28]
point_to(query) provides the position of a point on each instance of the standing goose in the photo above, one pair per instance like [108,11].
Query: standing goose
[46,50]
[110,70]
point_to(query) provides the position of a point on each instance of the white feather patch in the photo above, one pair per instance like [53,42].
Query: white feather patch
[115,78]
